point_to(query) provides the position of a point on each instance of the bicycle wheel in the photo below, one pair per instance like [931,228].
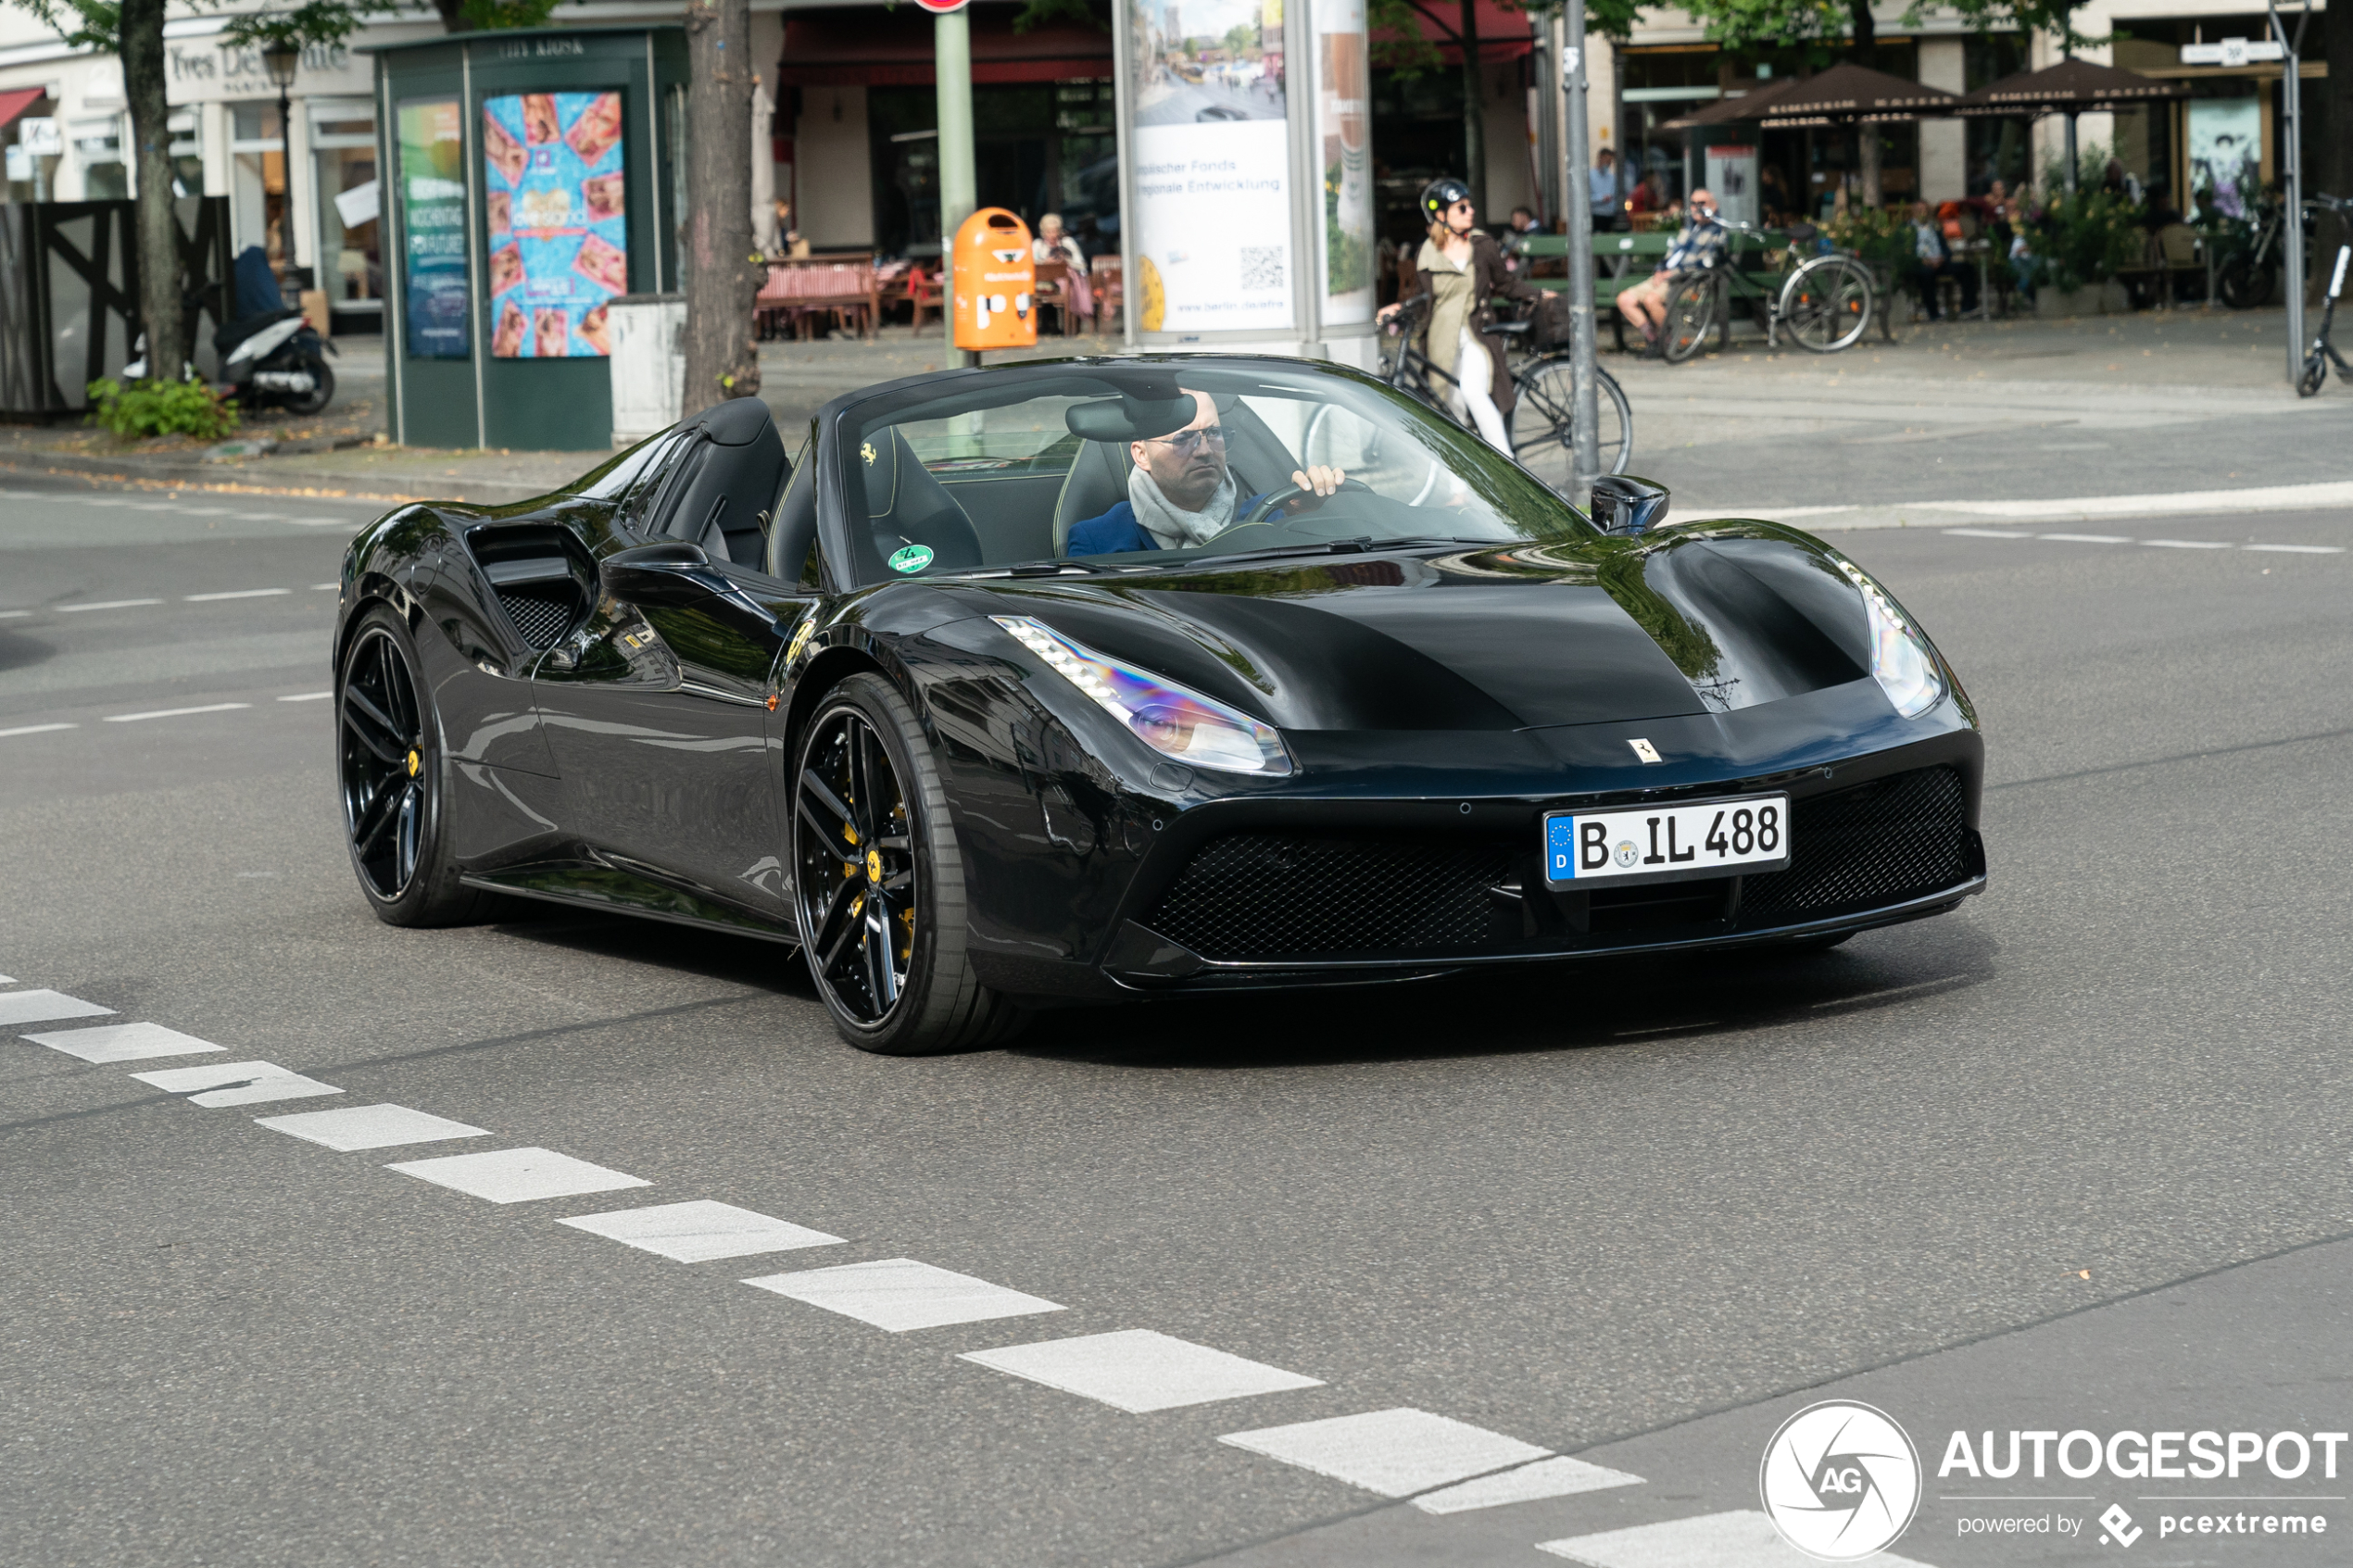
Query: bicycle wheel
[1827,303]
[2242,284]
[1691,312]
[1545,422]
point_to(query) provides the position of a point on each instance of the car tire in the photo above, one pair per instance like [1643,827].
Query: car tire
[910,874]
[392,770]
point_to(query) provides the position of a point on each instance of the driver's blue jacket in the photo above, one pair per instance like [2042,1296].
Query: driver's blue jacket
[1117,529]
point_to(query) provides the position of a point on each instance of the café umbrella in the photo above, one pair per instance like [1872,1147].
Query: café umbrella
[2071,87]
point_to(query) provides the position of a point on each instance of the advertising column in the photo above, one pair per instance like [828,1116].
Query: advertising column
[1210,141]
[1344,137]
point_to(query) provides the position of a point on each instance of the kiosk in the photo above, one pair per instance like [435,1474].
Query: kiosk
[535,178]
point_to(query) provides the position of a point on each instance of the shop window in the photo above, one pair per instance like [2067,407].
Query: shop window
[258,180]
[98,146]
[1037,148]
[343,142]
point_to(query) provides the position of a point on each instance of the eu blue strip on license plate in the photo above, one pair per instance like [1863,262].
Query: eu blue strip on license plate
[1667,843]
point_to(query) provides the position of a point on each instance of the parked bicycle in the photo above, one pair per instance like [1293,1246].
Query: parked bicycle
[1543,421]
[1824,301]
[2324,353]
[2246,277]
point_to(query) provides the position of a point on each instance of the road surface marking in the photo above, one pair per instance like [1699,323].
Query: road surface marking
[518,1175]
[2085,538]
[174,712]
[324,587]
[40,1007]
[235,1083]
[238,593]
[899,1294]
[700,1231]
[124,1042]
[1989,534]
[35,729]
[306,697]
[1558,1478]
[1393,1453]
[369,1126]
[1744,1538]
[14,614]
[2300,549]
[1137,1371]
[107,604]
[2185,544]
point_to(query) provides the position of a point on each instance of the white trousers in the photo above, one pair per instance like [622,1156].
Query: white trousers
[1473,394]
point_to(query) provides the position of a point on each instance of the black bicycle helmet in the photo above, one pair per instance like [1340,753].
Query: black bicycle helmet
[1439,194]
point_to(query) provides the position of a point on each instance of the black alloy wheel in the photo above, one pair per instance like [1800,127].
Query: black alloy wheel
[389,767]
[879,881]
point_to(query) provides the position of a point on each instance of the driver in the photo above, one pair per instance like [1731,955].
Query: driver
[1180,492]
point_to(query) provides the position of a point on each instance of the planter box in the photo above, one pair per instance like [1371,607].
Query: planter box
[2110,298]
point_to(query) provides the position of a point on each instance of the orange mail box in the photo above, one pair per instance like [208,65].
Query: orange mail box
[994,282]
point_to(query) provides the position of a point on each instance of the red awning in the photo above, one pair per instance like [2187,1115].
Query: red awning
[17,101]
[1503,35]
[867,45]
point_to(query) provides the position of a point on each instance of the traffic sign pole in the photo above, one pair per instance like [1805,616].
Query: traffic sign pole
[959,186]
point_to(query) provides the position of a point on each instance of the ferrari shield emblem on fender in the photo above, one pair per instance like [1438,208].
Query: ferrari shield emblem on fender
[1645,750]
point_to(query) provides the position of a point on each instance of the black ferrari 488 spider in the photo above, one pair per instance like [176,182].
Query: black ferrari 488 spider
[1095,678]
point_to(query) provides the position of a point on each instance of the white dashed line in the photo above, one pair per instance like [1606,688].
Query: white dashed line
[700,1231]
[1393,1453]
[1988,532]
[40,1007]
[369,1126]
[2299,549]
[306,697]
[14,614]
[518,1175]
[2184,544]
[324,587]
[899,1294]
[1744,1538]
[174,712]
[235,1083]
[1139,1371]
[1558,1478]
[123,1042]
[2085,538]
[238,593]
[35,729]
[107,604]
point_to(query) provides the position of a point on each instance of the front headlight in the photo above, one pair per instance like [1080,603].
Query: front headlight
[1172,721]
[1902,661]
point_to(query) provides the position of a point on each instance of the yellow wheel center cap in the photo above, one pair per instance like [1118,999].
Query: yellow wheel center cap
[415,762]
[874,865]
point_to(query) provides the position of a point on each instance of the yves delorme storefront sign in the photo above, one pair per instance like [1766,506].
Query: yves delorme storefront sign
[201,71]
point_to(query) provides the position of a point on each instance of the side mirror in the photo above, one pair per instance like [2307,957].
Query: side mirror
[671,572]
[1628,505]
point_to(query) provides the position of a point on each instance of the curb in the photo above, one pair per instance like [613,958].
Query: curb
[265,476]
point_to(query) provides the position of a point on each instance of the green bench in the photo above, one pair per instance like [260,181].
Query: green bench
[1621,261]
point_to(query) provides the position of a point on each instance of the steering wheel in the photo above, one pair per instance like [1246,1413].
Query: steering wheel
[1273,498]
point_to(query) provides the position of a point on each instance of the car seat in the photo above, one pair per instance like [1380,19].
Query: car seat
[1097,481]
[906,506]
[722,487]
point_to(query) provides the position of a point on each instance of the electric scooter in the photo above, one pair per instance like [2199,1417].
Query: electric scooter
[2323,351]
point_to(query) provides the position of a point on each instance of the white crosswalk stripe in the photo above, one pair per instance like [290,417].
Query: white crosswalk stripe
[123,1042]
[40,1007]
[356,1127]
[1139,1371]
[700,1232]
[900,1295]
[1557,1477]
[1393,1453]
[1743,1538]
[235,1083]
[518,1175]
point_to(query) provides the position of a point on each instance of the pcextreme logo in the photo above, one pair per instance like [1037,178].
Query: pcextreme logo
[1840,1481]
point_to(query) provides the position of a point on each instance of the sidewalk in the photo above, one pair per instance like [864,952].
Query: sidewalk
[1714,427]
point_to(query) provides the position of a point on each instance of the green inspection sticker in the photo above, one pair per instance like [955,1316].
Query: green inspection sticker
[915,557]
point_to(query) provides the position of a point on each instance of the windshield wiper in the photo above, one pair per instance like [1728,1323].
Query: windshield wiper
[1361,545]
[1035,568]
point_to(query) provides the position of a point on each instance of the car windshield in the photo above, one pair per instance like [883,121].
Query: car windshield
[1149,464]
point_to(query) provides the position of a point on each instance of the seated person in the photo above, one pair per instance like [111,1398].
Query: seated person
[1180,492]
[1698,246]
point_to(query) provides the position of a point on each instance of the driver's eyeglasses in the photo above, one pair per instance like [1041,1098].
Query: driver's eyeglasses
[1187,442]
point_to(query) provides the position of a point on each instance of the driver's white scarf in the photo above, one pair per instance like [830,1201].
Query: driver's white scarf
[1171,526]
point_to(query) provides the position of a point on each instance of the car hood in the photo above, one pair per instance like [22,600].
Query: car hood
[1710,619]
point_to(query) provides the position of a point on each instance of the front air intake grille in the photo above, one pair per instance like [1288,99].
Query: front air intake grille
[1889,841]
[1269,896]
[543,612]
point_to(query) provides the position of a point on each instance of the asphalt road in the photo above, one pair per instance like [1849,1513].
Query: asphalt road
[2073,1157]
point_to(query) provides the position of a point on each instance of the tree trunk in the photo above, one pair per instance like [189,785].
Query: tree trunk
[453,16]
[160,283]
[1866,53]
[1474,114]
[722,284]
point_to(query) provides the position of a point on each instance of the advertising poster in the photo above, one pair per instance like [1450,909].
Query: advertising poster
[1731,180]
[433,227]
[1345,127]
[559,242]
[2226,153]
[1213,154]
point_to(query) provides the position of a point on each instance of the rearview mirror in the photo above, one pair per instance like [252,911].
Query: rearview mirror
[1626,503]
[671,572]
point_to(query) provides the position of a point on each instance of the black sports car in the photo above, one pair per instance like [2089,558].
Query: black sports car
[1080,680]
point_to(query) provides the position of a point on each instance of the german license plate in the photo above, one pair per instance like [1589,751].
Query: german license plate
[1667,843]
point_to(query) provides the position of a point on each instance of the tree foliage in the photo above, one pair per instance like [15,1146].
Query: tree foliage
[1841,25]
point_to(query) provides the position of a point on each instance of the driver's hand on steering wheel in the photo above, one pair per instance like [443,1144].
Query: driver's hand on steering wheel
[1319,481]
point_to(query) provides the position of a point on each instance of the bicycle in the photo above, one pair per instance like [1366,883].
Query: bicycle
[2324,353]
[2244,278]
[1825,301]
[1543,421]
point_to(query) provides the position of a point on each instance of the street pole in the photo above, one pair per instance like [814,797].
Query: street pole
[953,49]
[1585,406]
[2292,225]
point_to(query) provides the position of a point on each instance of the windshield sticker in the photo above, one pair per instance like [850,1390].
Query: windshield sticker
[915,557]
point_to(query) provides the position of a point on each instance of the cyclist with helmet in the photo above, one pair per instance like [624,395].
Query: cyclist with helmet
[1459,268]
